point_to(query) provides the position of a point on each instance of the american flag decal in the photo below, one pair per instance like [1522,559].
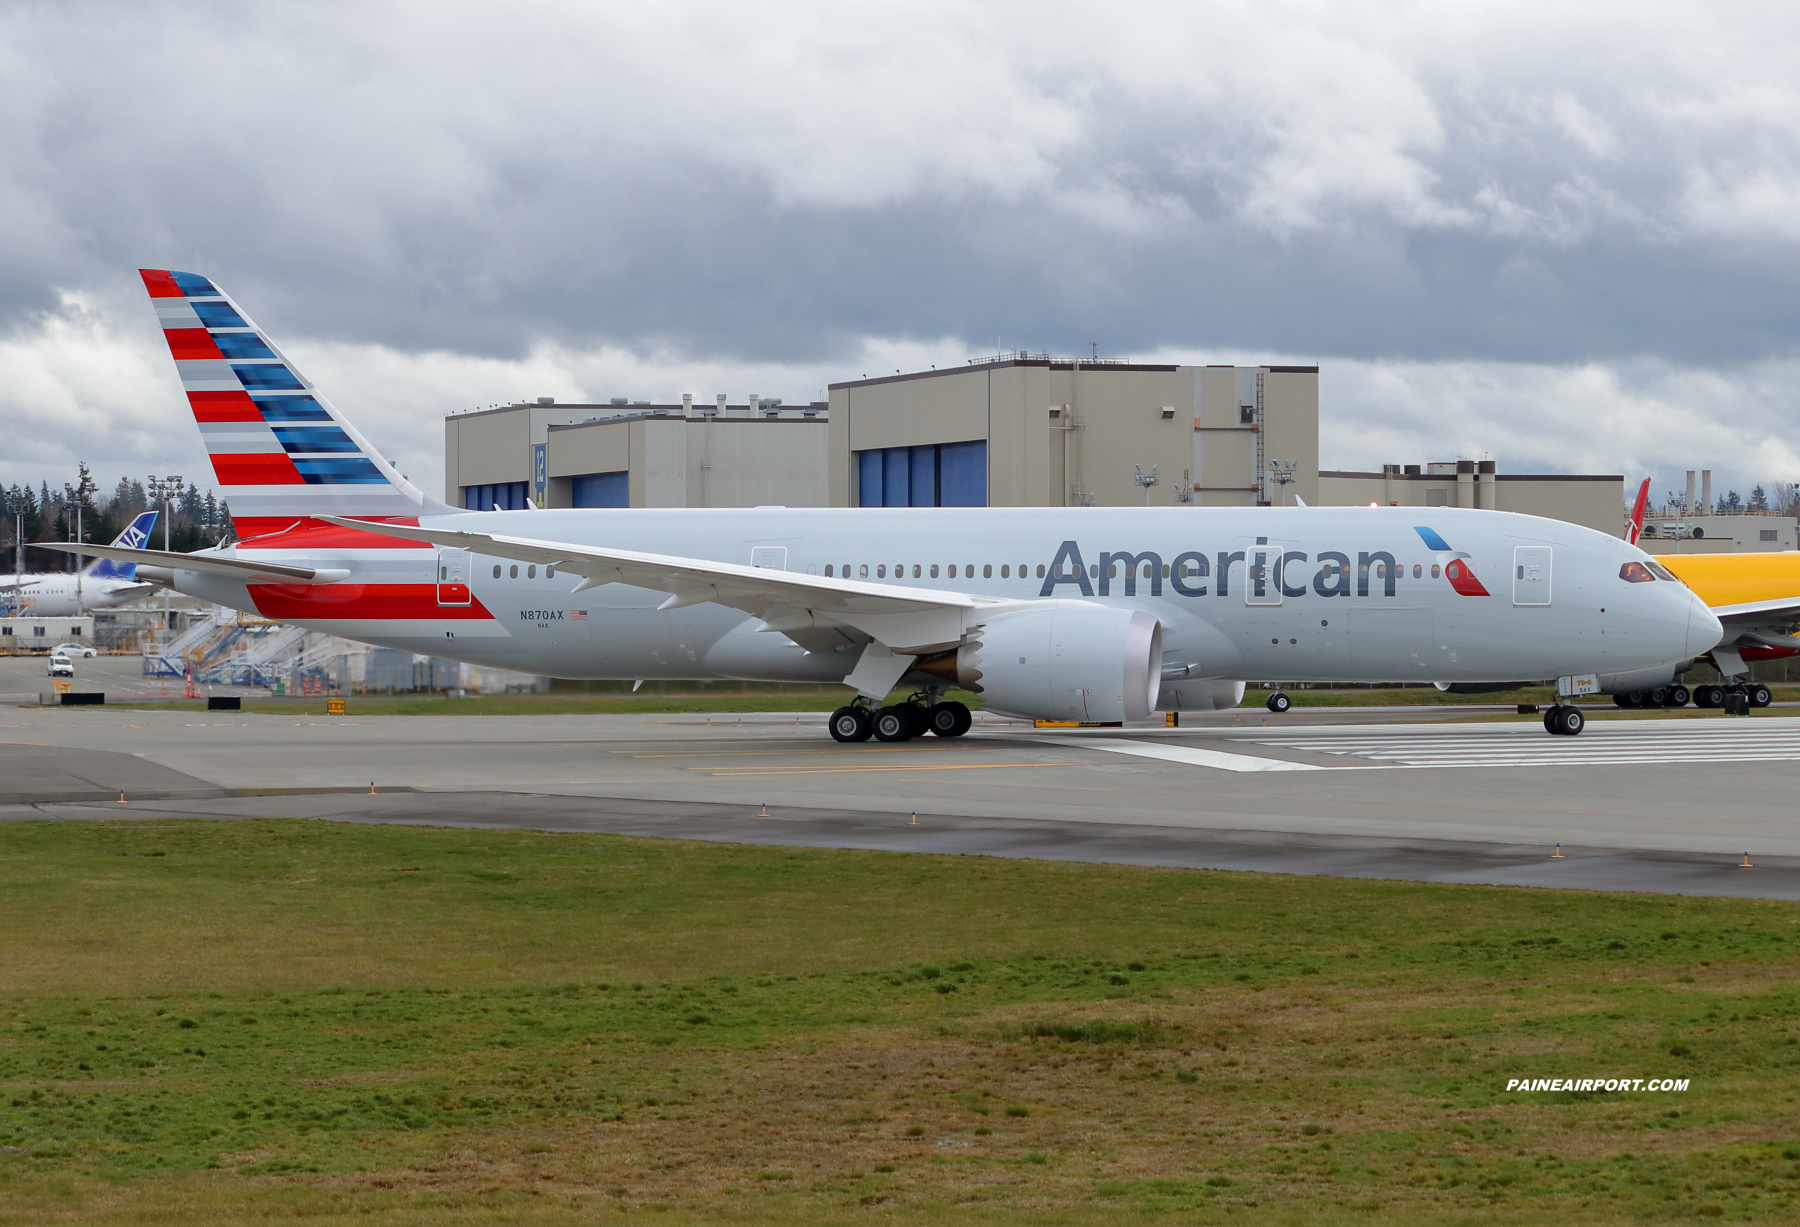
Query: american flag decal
[578,615]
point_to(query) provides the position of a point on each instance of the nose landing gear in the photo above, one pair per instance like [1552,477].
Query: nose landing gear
[1564,720]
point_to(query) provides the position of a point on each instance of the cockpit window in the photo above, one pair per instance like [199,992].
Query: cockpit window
[1636,573]
[1662,572]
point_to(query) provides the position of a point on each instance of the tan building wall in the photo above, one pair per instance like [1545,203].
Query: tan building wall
[1740,534]
[735,461]
[1062,432]
[708,455]
[1594,501]
[494,445]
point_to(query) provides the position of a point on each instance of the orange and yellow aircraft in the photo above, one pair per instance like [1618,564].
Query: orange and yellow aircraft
[1755,596]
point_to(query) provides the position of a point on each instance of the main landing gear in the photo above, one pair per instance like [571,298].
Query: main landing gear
[1564,720]
[1279,702]
[1736,700]
[1661,696]
[900,721]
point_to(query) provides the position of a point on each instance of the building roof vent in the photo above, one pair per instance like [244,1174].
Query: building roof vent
[618,400]
[546,400]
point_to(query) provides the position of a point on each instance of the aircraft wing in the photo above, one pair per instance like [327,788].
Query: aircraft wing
[214,564]
[1781,611]
[812,610]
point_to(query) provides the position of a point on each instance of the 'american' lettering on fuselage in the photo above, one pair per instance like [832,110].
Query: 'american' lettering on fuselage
[1191,572]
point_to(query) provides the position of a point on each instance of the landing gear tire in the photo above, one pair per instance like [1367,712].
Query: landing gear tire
[1564,721]
[1709,696]
[1279,702]
[896,723]
[1678,696]
[948,720]
[1760,696]
[1632,698]
[850,724]
[1657,698]
[1619,700]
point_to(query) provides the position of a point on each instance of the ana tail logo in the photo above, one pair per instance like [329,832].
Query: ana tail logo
[1456,564]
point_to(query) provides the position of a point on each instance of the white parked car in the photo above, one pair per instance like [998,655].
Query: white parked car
[61,666]
[73,651]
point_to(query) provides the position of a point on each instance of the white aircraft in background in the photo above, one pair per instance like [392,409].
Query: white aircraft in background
[1086,614]
[68,594]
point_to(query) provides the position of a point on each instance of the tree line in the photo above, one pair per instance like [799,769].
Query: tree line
[51,514]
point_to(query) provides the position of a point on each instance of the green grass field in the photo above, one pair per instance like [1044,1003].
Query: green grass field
[275,1020]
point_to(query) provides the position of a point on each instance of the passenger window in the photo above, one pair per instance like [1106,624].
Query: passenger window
[1631,573]
[846,571]
[933,570]
[827,570]
[1005,570]
[531,572]
[881,571]
[443,572]
[865,570]
[987,570]
[549,572]
[952,570]
[1165,570]
[1415,570]
[496,570]
[915,570]
[1147,574]
[1434,570]
[1041,570]
[512,572]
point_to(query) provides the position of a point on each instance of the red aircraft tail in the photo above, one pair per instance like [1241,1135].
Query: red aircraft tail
[1636,526]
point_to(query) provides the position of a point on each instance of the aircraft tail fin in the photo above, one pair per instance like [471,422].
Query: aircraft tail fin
[1635,527]
[281,453]
[137,537]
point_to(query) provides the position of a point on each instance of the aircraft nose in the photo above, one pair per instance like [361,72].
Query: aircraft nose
[1704,628]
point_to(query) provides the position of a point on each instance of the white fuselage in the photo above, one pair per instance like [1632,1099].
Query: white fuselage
[1327,594]
[65,594]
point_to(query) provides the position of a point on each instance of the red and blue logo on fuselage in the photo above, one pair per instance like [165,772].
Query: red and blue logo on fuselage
[1456,569]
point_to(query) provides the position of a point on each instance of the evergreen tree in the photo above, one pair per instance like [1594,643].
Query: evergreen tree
[1731,503]
[1759,500]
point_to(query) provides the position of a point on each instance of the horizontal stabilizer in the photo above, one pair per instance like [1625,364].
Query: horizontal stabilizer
[212,564]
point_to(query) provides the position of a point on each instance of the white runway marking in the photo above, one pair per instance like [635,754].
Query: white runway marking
[1193,756]
[1608,743]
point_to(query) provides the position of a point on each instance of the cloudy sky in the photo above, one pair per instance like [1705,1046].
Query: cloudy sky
[1565,236]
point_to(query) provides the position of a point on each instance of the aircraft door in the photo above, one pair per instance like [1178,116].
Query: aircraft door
[773,557]
[1531,575]
[453,577]
[1266,566]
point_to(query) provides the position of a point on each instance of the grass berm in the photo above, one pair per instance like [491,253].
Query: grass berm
[280,1020]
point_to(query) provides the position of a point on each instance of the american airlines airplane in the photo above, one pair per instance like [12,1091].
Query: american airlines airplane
[66,594]
[1083,614]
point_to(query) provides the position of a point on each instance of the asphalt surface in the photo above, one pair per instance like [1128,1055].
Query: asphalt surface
[1652,805]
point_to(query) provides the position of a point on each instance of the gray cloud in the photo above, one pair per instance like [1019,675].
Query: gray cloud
[715,186]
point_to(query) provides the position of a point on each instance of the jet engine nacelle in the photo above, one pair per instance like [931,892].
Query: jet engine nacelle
[1066,661]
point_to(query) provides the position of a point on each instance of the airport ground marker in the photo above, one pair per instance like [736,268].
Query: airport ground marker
[1557,855]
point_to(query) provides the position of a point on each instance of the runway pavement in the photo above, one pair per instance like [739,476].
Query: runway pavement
[1637,804]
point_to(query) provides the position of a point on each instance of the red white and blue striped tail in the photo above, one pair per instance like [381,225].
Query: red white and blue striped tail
[282,454]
